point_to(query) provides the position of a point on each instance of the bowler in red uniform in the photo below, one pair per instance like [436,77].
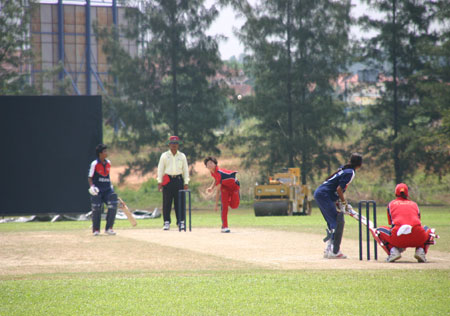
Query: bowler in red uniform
[227,187]
[406,228]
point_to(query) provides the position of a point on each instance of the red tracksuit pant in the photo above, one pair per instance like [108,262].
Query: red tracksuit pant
[230,198]
[417,238]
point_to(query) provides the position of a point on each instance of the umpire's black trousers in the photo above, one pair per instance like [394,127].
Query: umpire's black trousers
[170,195]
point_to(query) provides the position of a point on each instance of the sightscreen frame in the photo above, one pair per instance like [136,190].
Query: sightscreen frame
[48,143]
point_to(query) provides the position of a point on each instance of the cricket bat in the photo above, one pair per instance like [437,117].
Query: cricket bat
[127,212]
[367,222]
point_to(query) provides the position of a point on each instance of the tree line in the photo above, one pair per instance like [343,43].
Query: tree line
[295,50]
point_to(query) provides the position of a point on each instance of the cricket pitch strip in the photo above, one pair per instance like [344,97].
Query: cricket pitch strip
[147,250]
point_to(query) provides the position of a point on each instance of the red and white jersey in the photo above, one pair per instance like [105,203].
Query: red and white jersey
[99,173]
[226,178]
[403,212]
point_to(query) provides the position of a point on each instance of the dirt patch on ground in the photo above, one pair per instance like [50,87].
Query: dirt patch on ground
[279,250]
[79,251]
[28,253]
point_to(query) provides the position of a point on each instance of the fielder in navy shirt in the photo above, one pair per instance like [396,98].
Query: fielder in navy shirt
[326,196]
[102,191]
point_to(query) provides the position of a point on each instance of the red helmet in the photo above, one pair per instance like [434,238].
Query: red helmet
[401,187]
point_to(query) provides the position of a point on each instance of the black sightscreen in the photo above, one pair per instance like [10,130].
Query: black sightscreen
[47,144]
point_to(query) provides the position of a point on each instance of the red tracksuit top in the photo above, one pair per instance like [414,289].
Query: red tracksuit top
[403,212]
[226,178]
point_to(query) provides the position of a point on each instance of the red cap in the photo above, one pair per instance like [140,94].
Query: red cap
[174,140]
[401,188]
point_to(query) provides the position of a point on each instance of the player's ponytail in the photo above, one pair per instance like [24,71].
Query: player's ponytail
[355,161]
[330,176]
[401,190]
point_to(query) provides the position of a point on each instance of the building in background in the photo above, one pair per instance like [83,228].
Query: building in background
[63,41]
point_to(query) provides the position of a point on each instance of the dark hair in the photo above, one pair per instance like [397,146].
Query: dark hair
[100,148]
[403,195]
[213,159]
[355,161]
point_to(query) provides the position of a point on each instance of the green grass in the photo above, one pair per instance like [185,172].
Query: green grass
[365,186]
[238,292]
[148,196]
[231,293]
[370,184]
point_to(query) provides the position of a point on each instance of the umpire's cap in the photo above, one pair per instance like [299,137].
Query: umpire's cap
[100,148]
[174,140]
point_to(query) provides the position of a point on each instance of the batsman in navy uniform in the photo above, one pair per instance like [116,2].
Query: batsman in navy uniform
[102,191]
[332,203]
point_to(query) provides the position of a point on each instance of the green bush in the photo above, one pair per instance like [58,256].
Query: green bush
[148,197]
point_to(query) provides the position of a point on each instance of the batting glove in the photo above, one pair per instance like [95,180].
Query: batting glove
[93,190]
[344,207]
[348,208]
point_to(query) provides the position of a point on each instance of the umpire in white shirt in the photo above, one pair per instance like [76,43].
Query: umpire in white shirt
[173,175]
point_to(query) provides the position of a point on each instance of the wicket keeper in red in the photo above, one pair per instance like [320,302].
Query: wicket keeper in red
[406,229]
[227,187]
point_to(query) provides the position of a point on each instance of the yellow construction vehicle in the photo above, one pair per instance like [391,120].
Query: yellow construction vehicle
[283,195]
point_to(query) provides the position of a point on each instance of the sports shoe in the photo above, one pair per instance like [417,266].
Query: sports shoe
[339,255]
[96,233]
[394,255]
[166,226]
[328,249]
[182,225]
[225,230]
[110,232]
[420,255]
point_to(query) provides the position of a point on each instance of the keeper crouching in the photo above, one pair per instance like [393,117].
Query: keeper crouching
[406,228]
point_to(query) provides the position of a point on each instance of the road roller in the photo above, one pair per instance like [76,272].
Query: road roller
[283,195]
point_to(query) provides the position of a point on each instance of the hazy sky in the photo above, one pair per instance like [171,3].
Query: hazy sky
[227,22]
